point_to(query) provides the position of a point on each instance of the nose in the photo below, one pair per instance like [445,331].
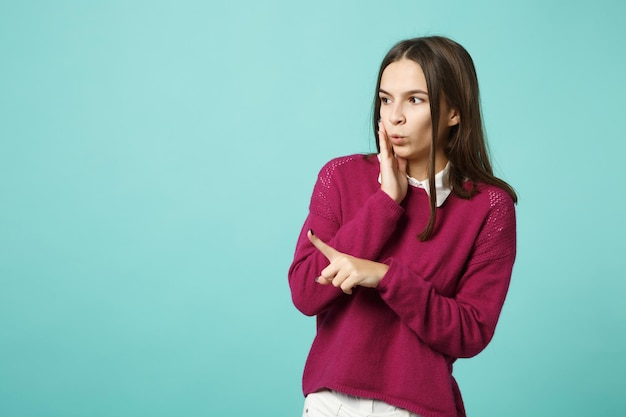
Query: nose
[396,116]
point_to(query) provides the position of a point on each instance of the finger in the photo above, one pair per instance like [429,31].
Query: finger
[343,280]
[328,251]
[339,278]
[383,141]
[347,285]
[333,274]
[330,272]
[323,281]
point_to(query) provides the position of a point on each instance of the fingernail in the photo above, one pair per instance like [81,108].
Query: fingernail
[311,230]
[317,279]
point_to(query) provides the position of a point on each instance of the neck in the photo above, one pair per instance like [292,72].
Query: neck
[419,169]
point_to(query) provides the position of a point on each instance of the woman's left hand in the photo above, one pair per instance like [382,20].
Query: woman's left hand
[345,271]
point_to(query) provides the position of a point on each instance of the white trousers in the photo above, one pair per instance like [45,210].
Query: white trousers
[335,404]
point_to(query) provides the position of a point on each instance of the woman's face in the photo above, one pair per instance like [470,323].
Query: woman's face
[405,114]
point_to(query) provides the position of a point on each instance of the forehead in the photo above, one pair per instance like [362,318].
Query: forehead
[403,75]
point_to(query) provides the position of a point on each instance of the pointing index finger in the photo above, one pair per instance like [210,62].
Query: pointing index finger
[328,251]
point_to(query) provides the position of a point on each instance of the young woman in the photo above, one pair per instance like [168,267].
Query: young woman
[406,256]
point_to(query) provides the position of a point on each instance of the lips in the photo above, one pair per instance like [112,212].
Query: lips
[396,139]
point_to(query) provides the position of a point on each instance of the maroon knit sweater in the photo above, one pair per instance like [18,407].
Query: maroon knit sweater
[440,299]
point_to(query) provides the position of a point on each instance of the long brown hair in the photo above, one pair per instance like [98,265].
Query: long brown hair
[450,73]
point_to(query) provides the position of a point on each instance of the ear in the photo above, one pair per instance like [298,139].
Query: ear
[453,117]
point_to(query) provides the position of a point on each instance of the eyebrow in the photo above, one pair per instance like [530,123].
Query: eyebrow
[408,93]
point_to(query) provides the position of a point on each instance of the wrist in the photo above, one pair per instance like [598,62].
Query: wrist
[382,271]
[395,196]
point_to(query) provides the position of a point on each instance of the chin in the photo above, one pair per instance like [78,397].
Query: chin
[403,152]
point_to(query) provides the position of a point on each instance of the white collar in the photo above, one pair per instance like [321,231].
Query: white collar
[442,184]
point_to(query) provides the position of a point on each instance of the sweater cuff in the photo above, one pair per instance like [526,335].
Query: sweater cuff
[389,204]
[385,281]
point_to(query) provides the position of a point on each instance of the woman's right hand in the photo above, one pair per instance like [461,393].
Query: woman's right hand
[394,181]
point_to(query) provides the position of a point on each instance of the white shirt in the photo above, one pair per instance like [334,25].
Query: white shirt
[442,184]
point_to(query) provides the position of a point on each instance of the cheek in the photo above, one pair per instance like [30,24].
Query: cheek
[421,121]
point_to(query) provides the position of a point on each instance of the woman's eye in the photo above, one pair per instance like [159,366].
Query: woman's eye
[384,100]
[415,100]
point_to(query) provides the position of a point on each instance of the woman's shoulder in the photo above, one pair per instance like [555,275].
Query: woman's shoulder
[498,223]
[349,165]
[493,207]
[489,198]
[496,195]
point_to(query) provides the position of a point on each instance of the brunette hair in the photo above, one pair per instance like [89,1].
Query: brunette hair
[450,73]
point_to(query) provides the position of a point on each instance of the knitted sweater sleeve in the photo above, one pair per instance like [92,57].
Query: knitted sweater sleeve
[363,235]
[461,325]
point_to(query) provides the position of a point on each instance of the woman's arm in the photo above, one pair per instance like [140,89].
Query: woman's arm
[458,326]
[363,236]
[462,325]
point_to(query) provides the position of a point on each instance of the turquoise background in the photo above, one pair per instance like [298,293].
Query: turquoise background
[156,163]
